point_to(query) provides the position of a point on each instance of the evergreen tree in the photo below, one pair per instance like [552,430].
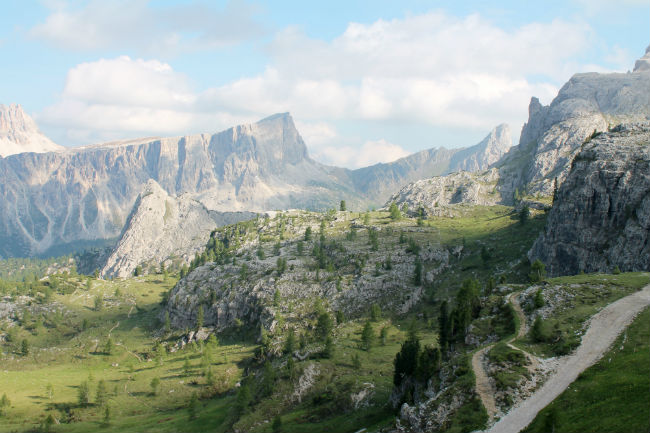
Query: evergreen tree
[108,348]
[328,350]
[417,275]
[538,301]
[308,234]
[106,421]
[24,347]
[48,423]
[444,325]
[83,394]
[268,380]
[290,342]
[155,385]
[367,336]
[187,367]
[276,426]
[242,400]
[490,286]
[375,312]
[537,271]
[99,303]
[199,317]
[168,323]
[395,214]
[356,362]
[554,189]
[406,360]
[342,207]
[193,406]
[524,214]
[101,394]
[324,325]
[383,335]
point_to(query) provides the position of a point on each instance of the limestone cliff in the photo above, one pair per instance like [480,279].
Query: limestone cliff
[601,217]
[164,229]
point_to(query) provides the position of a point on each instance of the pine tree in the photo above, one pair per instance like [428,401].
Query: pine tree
[155,385]
[324,325]
[276,427]
[395,214]
[199,317]
[108,348]
[24,347]
[83,394]
[168,323]
[308,234]
[375,312]
[290,342]
[193,406]
[100,394]
[367,336]
[187,367]
[417,274]
[106,421]
[342,207]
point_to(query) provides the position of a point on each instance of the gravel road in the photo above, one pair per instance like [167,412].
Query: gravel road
[603,329]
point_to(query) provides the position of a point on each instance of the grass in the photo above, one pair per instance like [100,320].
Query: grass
[612,396]
[583,296]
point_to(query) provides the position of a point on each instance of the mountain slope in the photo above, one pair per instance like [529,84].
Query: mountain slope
[164,229]
[19,133]
[63,201]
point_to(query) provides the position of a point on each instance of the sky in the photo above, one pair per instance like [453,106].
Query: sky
[365,81]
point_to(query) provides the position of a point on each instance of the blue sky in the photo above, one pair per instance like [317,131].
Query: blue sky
[365,81]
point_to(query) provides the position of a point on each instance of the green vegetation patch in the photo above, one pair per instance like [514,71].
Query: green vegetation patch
[612,396]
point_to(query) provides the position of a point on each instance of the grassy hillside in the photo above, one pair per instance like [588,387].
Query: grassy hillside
[612,396]
[70,320]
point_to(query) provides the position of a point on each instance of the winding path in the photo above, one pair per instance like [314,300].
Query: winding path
[603,329]
[484,387]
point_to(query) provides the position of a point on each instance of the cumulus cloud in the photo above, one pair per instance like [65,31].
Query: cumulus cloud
[434,70]
[136,25]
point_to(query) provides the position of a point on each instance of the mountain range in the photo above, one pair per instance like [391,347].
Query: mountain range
[57,202]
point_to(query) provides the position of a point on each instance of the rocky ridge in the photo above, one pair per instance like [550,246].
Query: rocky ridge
[553,135]
[55,203]
[19,133]
[163,229]
[601,217]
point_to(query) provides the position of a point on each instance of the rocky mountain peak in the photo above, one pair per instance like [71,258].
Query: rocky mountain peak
[643,64]
[487,152]
[19,133]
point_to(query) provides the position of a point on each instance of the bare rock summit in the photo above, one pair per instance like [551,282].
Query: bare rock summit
[19,133]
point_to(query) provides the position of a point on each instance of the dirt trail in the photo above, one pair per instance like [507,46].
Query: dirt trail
[604,328]
[521,332]
[484,387]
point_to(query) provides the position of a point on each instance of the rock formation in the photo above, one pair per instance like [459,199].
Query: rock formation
[164,229]
[19,133]
[601,217]
[438,194]
[55,203]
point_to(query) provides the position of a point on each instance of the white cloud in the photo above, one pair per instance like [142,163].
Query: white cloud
[434,69]
[370,153]
[135,25]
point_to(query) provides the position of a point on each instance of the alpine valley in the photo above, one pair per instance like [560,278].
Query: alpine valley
[228,282]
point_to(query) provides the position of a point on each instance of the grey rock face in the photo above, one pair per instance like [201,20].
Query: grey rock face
[164,229]
[601,217]
[643,64]
[19,133]
[380,181]
[61,202]
[553,134]
[438,194]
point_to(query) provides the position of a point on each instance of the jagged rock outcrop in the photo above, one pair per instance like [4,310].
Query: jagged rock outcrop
[54,203]
[643,64]
[164,229]
[19,133]
[483,155]
[438,194]
[553,135]
[601,217]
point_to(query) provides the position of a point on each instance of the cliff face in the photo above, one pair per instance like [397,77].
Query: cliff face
[553,134]
[59,202]
[164,229]
[54,199]
[601,217]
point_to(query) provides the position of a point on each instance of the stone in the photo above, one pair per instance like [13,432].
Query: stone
[19,133]
[601,217]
